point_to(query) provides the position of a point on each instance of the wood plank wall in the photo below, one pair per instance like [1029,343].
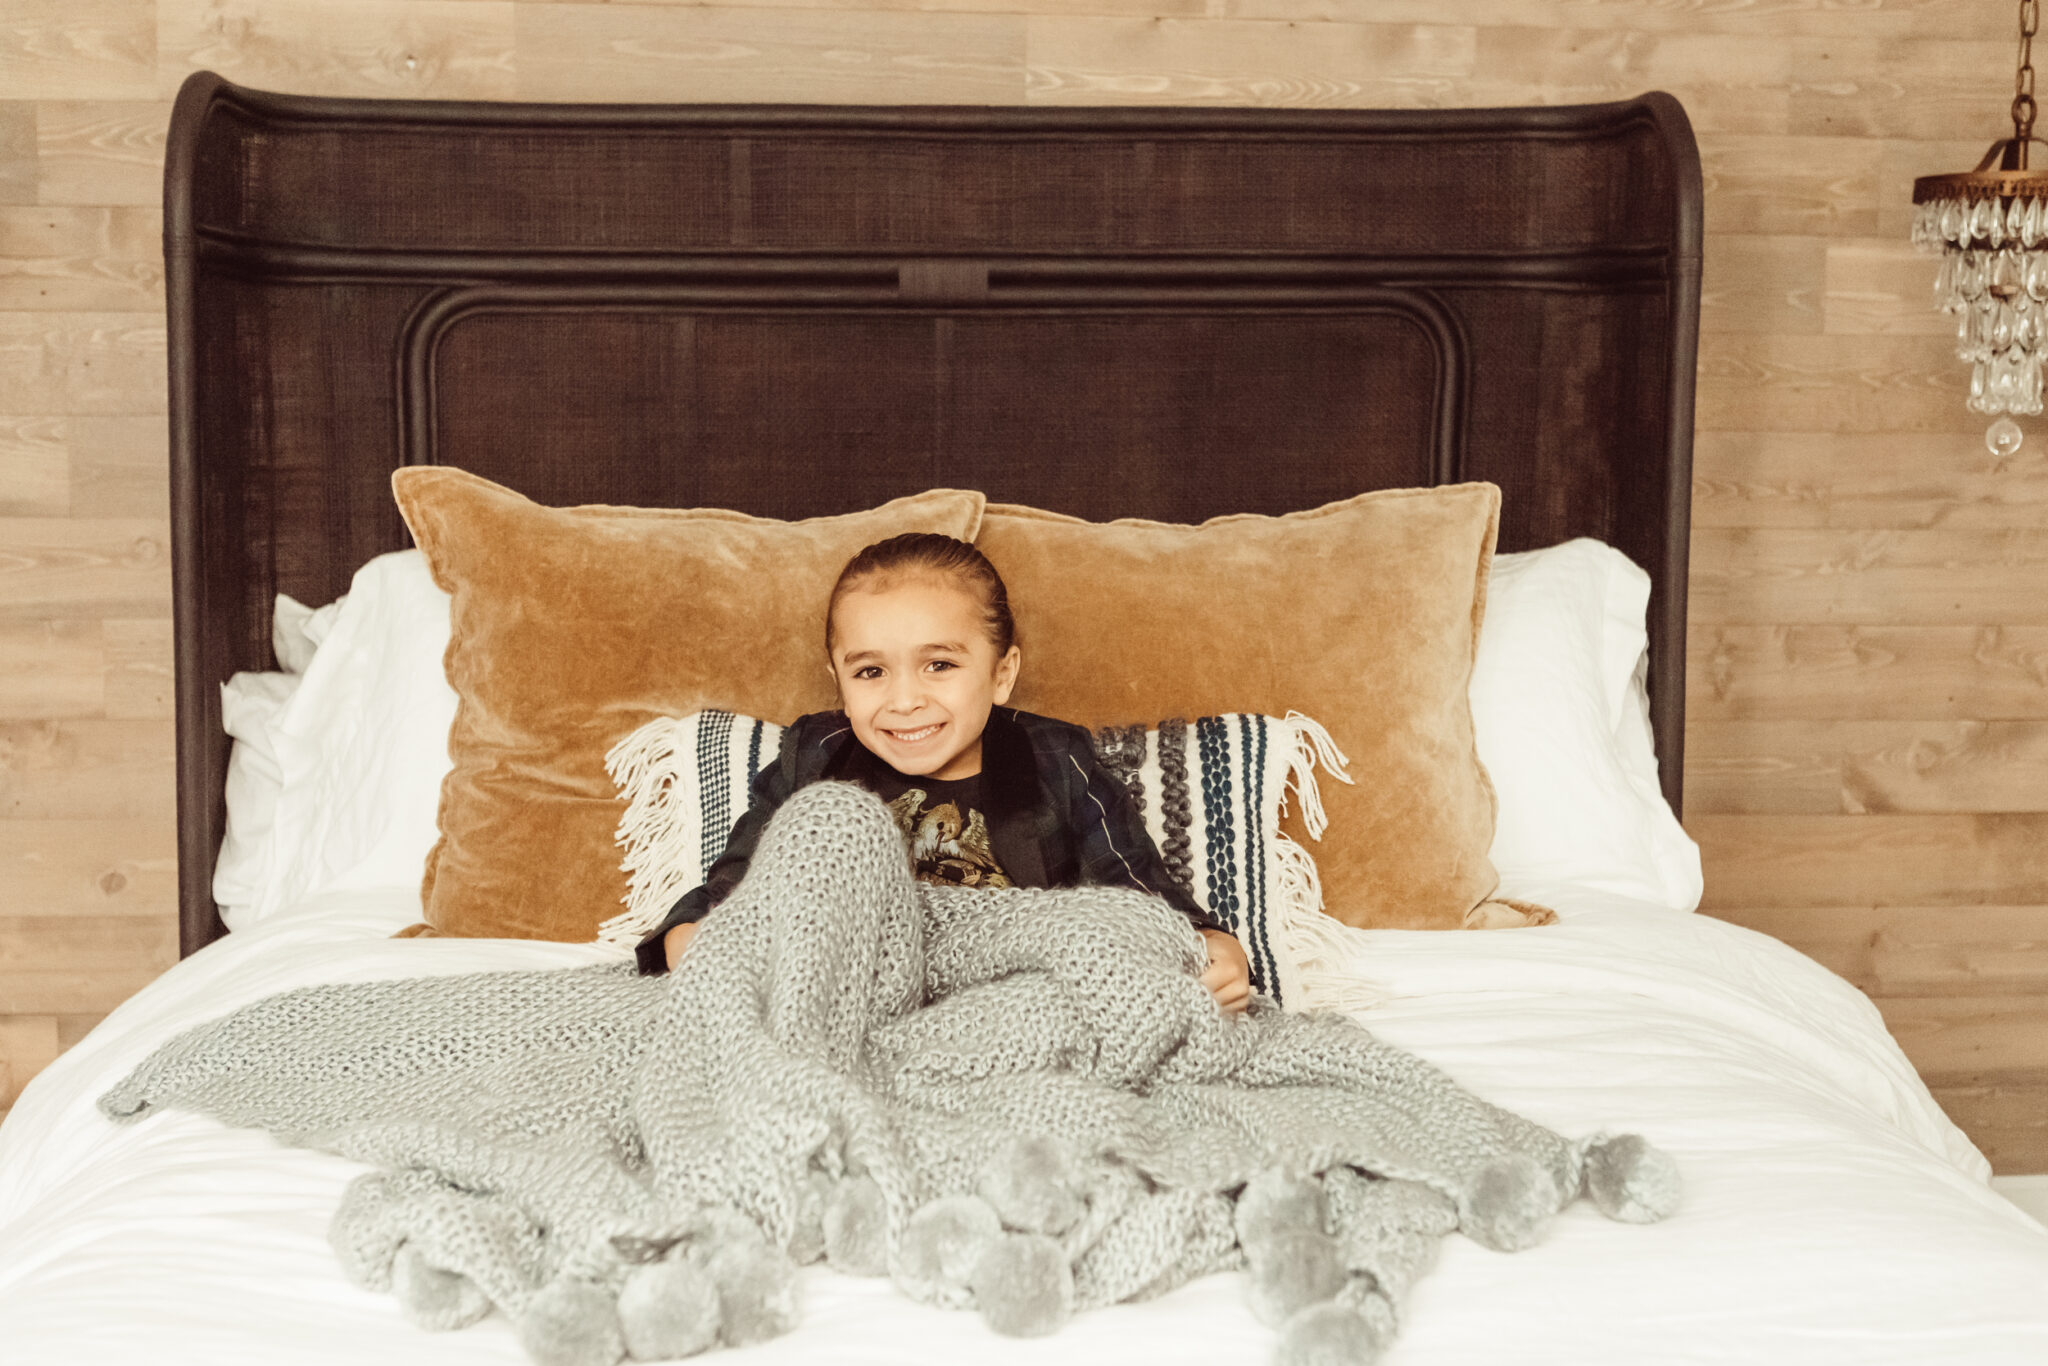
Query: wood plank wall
[1869,695]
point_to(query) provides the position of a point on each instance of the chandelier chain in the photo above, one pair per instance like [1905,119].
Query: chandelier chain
[2023,84]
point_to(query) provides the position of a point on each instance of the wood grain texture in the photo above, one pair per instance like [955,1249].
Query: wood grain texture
[1981,859]
[1858,767]
[1138,61]
[2003,1115]
[77,258]
[1876,480]
[1759,283]
[52,668]
[100,151]
[138,664]
[19,161]
[1938,951]
[53,566]
[28,1044]
[420,49]
[87,769]
[1832,384]
[1876,672]
[1868,656]
[35,467]
[1932,577]
[78,49]
[1950,1036]
[74,364]
[1776,19]
[96,867]
[614,52]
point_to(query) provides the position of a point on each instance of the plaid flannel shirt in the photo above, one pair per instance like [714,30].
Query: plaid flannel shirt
[1057,818]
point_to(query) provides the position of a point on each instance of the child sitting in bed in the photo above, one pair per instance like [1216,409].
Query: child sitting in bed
[919,639]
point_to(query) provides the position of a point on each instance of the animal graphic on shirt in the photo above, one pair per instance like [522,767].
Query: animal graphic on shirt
[946,847]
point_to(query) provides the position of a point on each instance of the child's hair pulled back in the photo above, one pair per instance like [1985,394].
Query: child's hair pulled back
[929,555]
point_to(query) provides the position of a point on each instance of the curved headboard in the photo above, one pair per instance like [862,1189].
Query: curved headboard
[795,310]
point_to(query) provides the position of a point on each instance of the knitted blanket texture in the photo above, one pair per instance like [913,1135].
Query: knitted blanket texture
[1018,1101]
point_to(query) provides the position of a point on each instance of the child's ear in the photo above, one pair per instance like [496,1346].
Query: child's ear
[1006,674]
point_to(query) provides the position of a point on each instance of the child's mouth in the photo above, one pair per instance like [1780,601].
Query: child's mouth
[911,737]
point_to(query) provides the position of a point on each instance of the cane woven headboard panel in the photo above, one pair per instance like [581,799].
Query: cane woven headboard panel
[798,310]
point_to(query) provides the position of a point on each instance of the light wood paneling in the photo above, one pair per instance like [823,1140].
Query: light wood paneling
[72,258]
[97,867]
[1937,951]
[1774,19]
[86,770]
[18,161]
[2002,1114]
[35,468]
[1868,677]
[1166,61]
[78,49]
[59,566]
[1737,672]
[582,52]
[421,49]
[73,364]
[1760,283]
[52,668]
[100,151]
[139,674]
[1932,577]
[1881,860]
[1877,480]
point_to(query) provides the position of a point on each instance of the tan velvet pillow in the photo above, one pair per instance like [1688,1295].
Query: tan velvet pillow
[571,627]
[1363,614]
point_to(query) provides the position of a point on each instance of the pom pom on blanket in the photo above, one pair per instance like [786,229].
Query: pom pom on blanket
[572,1322]
[942,1245]
[668,1310]
[434,1297]
[1016,1100]
[1630,1180]
[1329,1334]
[857,1228]
[1023,1285]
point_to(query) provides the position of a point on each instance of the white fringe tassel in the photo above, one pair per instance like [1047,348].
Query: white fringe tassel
[662,852]
[1322,951]
[1311,742]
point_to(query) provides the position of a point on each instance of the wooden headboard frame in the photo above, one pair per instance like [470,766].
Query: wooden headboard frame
[792,310]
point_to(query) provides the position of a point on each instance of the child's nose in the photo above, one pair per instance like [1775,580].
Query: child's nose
[906,693]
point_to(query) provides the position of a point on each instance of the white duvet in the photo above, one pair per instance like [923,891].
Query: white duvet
[1832,1214]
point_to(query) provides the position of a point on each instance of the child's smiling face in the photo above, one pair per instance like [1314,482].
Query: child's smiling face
[918,674]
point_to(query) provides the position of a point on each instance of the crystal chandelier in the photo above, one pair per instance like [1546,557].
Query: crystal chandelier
[1991,227]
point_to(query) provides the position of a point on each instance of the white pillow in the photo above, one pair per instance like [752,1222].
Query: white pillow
[1562,724]
[362,743]
[249,704]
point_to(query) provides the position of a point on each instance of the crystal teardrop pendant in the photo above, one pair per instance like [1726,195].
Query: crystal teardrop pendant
[2003,437]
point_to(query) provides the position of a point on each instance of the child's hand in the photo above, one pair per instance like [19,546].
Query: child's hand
[1229,974]
[676,940]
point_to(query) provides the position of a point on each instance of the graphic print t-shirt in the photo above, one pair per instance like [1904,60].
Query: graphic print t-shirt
[943,825]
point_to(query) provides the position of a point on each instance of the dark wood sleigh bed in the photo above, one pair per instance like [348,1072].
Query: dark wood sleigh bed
[797,310]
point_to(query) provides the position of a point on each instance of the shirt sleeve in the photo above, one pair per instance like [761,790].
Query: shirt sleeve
[769,790]
[1116,851]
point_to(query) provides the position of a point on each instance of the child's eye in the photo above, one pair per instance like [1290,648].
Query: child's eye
[867,671]
[942,664]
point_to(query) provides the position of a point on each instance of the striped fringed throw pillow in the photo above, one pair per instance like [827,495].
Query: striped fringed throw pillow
[684,780]
[1212,792]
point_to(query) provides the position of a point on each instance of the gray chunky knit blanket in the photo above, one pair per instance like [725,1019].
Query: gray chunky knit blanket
[1017,1101]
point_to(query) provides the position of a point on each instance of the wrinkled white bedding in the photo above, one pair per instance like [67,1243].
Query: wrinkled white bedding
[1833,1215]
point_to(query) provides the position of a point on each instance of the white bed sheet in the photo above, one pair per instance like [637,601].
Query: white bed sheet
[1832,1214]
